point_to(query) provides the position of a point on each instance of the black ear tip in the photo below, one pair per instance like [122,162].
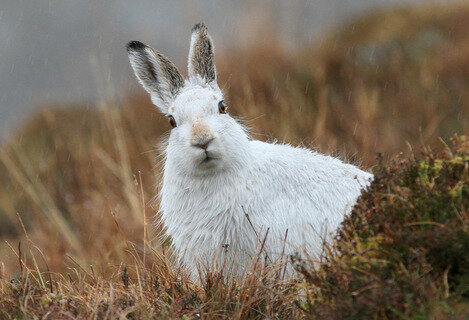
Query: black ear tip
[199,26]
[135,45]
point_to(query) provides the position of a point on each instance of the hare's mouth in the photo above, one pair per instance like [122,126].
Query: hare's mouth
[209,157]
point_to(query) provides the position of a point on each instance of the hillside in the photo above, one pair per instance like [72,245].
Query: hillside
[77,184]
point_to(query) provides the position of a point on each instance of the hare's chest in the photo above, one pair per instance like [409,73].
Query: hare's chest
[205,223]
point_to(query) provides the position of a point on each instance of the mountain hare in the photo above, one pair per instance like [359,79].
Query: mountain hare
[225,195]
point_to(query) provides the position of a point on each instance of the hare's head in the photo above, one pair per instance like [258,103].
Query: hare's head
[204,138]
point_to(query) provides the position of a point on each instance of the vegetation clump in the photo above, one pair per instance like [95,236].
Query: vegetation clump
[404,250]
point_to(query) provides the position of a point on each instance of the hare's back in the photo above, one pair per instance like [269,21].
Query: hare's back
[299,189]
[301,169]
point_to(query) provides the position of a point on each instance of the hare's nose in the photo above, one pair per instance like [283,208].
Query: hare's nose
[203,145]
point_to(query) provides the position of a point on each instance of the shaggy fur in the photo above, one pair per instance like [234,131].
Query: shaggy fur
[224,194]
[201,61]
[159,76]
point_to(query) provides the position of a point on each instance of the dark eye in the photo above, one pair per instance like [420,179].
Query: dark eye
[222,107]
[172,121]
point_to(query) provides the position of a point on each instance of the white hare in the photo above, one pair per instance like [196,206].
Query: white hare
[224,193]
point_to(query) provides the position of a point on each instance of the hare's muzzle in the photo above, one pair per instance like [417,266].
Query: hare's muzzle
[201,135]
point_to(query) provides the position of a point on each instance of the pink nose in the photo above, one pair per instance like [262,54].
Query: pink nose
[203,145]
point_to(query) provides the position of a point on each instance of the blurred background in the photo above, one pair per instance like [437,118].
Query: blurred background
[48,47]
[78,159]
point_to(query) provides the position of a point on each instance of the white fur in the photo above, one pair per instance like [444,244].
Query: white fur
[280,187]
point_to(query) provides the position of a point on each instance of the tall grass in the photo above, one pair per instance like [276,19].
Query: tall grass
[76,209]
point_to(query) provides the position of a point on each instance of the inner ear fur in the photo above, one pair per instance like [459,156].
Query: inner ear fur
[201,61]
[156,73]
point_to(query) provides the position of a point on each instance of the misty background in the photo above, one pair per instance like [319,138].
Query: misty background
[55,51]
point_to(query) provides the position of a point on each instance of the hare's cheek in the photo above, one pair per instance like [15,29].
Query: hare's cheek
[176,144]
[178,136]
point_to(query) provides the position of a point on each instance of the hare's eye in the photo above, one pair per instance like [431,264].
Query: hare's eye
[172,121]
[222,107]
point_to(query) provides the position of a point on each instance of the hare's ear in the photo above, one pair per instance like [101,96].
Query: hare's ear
[202,55]
[159,76]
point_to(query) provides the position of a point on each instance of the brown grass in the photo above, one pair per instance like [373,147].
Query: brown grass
[77,183]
